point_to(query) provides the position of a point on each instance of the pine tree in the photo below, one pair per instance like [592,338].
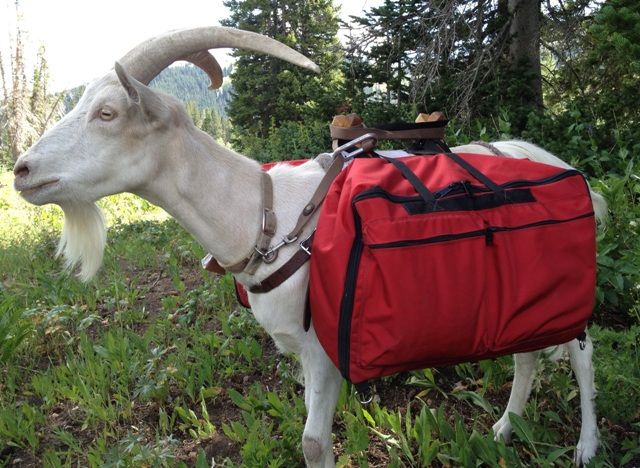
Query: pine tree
[212,124]
[192,109]
[380,60]
[449,55]
[268,91]
[611,67]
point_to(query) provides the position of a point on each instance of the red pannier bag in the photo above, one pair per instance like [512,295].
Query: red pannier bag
[427,261]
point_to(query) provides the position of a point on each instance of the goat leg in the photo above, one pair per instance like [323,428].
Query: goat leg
[580,354]
[322,387]
[525,366]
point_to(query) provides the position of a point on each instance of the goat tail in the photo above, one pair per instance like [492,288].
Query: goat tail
[599,207]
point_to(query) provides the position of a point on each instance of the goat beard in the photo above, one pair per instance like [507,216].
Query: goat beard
[83,239]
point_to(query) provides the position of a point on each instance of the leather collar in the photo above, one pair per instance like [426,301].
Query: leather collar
[249,264]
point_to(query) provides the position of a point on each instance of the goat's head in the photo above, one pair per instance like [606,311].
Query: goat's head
[102,146]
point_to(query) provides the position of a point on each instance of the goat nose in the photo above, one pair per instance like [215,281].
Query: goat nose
[21,169]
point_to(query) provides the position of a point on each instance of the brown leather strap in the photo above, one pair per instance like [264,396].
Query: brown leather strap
[331,173]
[251,262]
[318,196]
[285,272]
[425,133]
[211,265]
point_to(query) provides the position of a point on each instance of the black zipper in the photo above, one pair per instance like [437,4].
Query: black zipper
[346,306]
[487,232]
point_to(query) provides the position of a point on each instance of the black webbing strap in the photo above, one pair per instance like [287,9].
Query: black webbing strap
[475,173]
[413,179]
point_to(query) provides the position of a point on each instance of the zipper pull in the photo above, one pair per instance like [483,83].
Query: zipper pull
[466,185]
[447,190]
[488,236]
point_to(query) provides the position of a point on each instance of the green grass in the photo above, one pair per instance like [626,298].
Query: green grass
[154,364]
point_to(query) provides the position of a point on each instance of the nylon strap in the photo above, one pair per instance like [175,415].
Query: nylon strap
[475,173]
[413,179]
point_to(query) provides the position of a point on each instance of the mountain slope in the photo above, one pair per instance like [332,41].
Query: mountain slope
[189,83]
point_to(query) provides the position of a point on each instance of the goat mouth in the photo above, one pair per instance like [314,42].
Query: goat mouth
[25,191]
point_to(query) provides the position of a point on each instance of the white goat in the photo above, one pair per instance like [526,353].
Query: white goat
[125,137]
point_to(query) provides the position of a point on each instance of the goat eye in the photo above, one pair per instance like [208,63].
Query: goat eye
[107,114]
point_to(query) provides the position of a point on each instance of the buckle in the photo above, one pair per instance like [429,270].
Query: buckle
[367,141]
[304,245]
[269,222]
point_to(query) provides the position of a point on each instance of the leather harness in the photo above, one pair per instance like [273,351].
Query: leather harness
[361,138]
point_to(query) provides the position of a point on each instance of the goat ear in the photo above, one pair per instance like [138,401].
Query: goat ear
[152,106]
[127,83]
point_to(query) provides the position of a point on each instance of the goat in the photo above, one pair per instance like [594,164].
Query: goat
[125,137]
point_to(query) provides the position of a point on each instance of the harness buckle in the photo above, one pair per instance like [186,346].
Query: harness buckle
[268,222]
[269,256]
[304,245]
[368,141]
[286,239]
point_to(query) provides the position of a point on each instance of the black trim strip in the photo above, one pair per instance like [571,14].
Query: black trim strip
[547,180]
[471,203]
[346,306]
[488,233]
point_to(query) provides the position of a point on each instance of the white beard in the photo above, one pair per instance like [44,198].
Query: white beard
[83,239]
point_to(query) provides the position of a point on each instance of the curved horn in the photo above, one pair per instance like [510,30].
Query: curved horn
[149,58]
[207,62]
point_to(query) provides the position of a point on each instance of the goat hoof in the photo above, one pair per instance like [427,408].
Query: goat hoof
[585,451]
[502,430]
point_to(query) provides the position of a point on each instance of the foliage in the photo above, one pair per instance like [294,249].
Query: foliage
[291,140]
[210,121]
[600,78]
[431,56]
[154,364]
[267,91]
[189,83]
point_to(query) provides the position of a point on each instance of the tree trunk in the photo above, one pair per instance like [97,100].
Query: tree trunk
[524,48]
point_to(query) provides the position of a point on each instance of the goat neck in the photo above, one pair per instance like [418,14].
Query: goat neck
[213,192]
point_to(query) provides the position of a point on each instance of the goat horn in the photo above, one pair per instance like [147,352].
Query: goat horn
[209,64]
[149,58]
